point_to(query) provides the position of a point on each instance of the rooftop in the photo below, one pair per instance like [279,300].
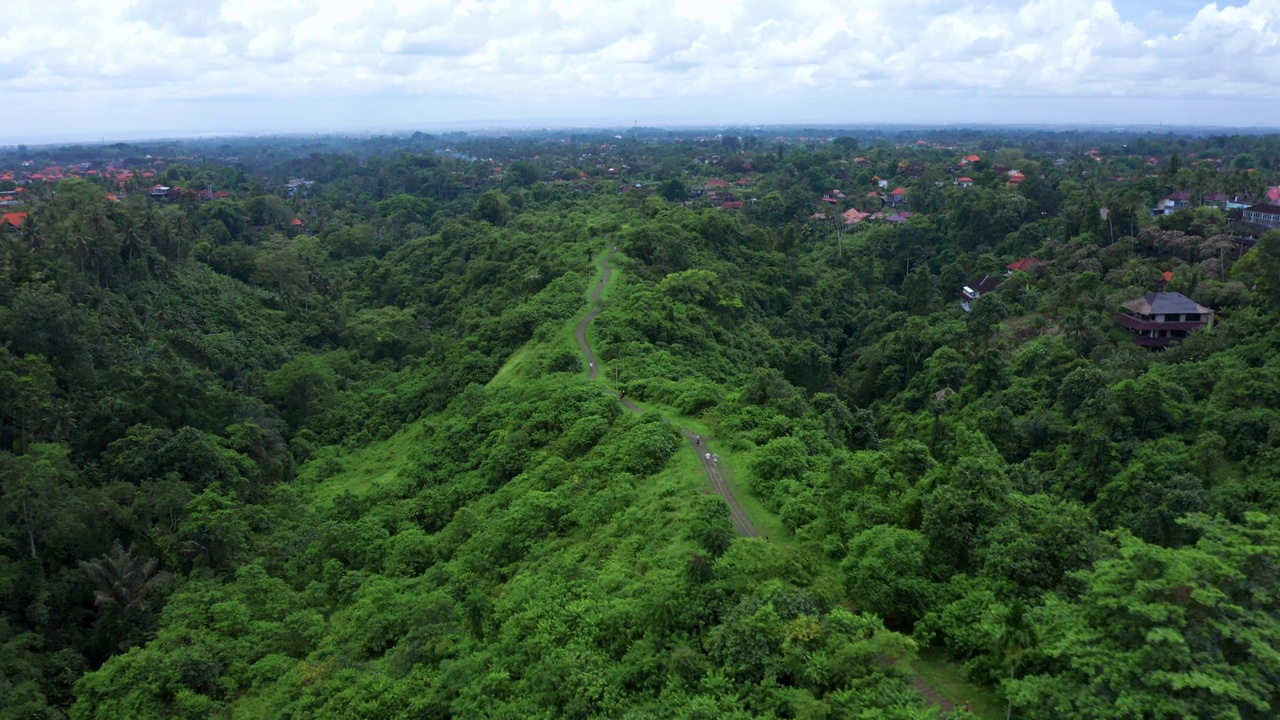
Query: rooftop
[1166,303]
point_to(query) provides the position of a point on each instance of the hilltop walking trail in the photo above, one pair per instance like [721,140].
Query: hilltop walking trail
[712,469]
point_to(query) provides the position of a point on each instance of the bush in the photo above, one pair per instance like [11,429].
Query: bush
[564,360]
[647,447]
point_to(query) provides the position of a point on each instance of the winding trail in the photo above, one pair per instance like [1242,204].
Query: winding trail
[712,468]
[741,522]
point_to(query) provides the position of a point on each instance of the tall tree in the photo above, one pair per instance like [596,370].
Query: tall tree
[1158,632]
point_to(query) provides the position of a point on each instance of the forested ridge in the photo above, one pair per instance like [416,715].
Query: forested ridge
[329,449]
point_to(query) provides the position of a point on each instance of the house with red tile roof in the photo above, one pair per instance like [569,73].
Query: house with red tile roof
[13,221]
[853,216]
[898,196]
[1026,264]
[964,182]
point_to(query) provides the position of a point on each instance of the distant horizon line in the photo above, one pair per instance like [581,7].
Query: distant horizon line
[487,127]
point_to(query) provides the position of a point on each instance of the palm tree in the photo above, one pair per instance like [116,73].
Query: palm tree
[133,242]
[1030,295]
[1015,638]
[123,581]
[64,419]
[1127,358]
[1077,327]
[32,233]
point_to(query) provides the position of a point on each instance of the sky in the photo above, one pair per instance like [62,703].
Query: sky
[79,70]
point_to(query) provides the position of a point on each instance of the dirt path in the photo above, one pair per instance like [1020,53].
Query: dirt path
[581,332]
[931,695]
[710,467]
[718,483]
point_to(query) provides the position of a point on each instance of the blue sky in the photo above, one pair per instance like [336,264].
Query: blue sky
[123,69]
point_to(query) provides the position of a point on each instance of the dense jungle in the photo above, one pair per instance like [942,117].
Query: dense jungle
[301,427]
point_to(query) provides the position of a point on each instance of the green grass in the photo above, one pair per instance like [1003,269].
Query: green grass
[378,462]
[526,362]
[949,679]
[517,366]
[733,465]
[382,461]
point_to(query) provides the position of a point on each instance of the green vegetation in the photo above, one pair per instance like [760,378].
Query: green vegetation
[353,467]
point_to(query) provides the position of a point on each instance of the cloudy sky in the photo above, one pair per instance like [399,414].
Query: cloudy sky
[120,69]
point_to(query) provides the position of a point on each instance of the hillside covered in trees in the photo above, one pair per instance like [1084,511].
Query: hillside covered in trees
[307,432]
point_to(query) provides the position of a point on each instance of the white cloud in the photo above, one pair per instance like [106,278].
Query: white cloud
[739,55]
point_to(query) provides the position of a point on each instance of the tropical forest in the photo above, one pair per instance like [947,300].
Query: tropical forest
[725,423]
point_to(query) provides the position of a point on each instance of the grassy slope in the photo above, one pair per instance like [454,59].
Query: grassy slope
[360,470]
[381,462]
[941,674]
[949,679]
[628,549]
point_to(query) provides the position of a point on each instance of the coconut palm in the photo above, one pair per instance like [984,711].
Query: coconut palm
[123,581]
[1030,296]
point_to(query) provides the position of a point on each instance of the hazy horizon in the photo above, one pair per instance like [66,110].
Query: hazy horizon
[138,69]
[483,127]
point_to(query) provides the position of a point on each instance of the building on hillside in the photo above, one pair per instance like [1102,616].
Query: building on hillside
[853,216]
[12,221]
[1162,318]
[1026,265]
[1180,200]
[975,290]
[1238,201]
[964,182]
[897,197]
[1263,214]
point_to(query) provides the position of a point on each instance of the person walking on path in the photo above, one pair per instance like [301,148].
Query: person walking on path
[708,456]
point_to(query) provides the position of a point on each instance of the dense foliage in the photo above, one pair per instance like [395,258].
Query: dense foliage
[328,450]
